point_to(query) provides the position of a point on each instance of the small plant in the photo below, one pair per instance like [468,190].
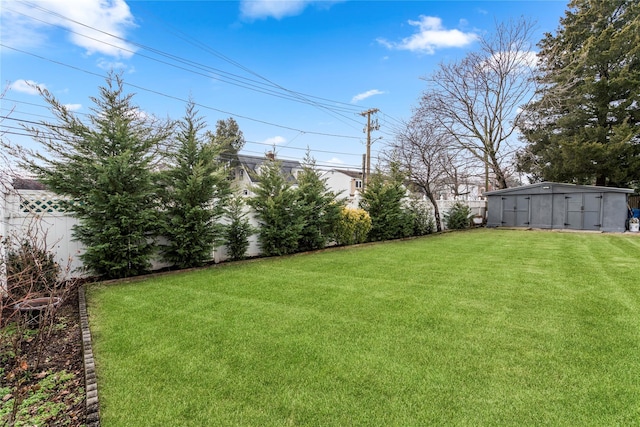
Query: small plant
[458,217]
[44,403]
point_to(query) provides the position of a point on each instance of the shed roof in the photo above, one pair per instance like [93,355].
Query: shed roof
[558,188]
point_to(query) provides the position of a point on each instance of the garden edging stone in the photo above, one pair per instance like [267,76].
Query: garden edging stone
[91,382]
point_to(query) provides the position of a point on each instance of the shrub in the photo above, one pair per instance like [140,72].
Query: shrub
[353,226]
[422,216]
[31,271]
[458,216]
[104,165]
[383,199]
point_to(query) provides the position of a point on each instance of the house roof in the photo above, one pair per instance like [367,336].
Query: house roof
[27,184]
[252,165]
[351,173]
[558,187]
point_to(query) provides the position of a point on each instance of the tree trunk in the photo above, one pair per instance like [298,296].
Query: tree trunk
[436,211]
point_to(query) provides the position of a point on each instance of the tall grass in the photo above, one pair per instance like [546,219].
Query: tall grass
[484,327]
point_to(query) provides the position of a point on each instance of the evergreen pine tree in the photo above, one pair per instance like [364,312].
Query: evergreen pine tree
[194,190]
[278,211]
[383,199]
[104,168]
[583,126]
[229,140]
[319,205]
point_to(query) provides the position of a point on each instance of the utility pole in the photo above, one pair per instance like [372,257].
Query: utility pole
[368,129]
[486,156]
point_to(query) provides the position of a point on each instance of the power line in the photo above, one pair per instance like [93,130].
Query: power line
[234,79]
[15,131]
[178,98]
[13,111]
[195,42]
[252,84]
[52,136]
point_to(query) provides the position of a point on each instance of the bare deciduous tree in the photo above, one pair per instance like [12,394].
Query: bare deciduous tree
[477,100]
[425,158]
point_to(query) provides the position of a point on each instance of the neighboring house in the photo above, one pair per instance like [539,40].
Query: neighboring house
[464,191]
[346,184]
[247,174]
[244,177]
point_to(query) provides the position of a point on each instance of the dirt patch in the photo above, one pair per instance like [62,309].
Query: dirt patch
[57,388]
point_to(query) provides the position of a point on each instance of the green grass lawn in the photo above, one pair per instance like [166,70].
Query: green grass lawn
[484,327]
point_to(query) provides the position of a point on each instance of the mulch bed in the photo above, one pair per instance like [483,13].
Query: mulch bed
[62,352]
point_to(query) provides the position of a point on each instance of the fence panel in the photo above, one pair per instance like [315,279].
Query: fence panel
[39,213]
[41,210]
[25,210]
[478,207]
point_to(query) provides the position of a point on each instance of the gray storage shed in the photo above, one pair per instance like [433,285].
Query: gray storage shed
[559,206]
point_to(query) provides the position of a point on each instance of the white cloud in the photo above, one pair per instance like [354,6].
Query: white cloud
[27,86]
[518,59]
[18,31]
[278,9]
[365,95]
[73,107]
[335,161]
[431,35]
[114,65]
[276,140]
[139,114]
[104,21]
[530,58]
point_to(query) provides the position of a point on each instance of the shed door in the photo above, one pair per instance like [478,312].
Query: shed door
[583,211]
[515,211]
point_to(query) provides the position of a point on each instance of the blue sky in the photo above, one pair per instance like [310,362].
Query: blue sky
[294,74]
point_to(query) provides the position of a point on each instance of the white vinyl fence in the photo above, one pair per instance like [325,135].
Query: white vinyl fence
[478,208]
[40,210]
[37,212]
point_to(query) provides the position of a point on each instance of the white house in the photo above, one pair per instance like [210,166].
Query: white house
[346,183]
[247,174]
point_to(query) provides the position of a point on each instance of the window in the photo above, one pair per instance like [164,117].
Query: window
[358,183]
